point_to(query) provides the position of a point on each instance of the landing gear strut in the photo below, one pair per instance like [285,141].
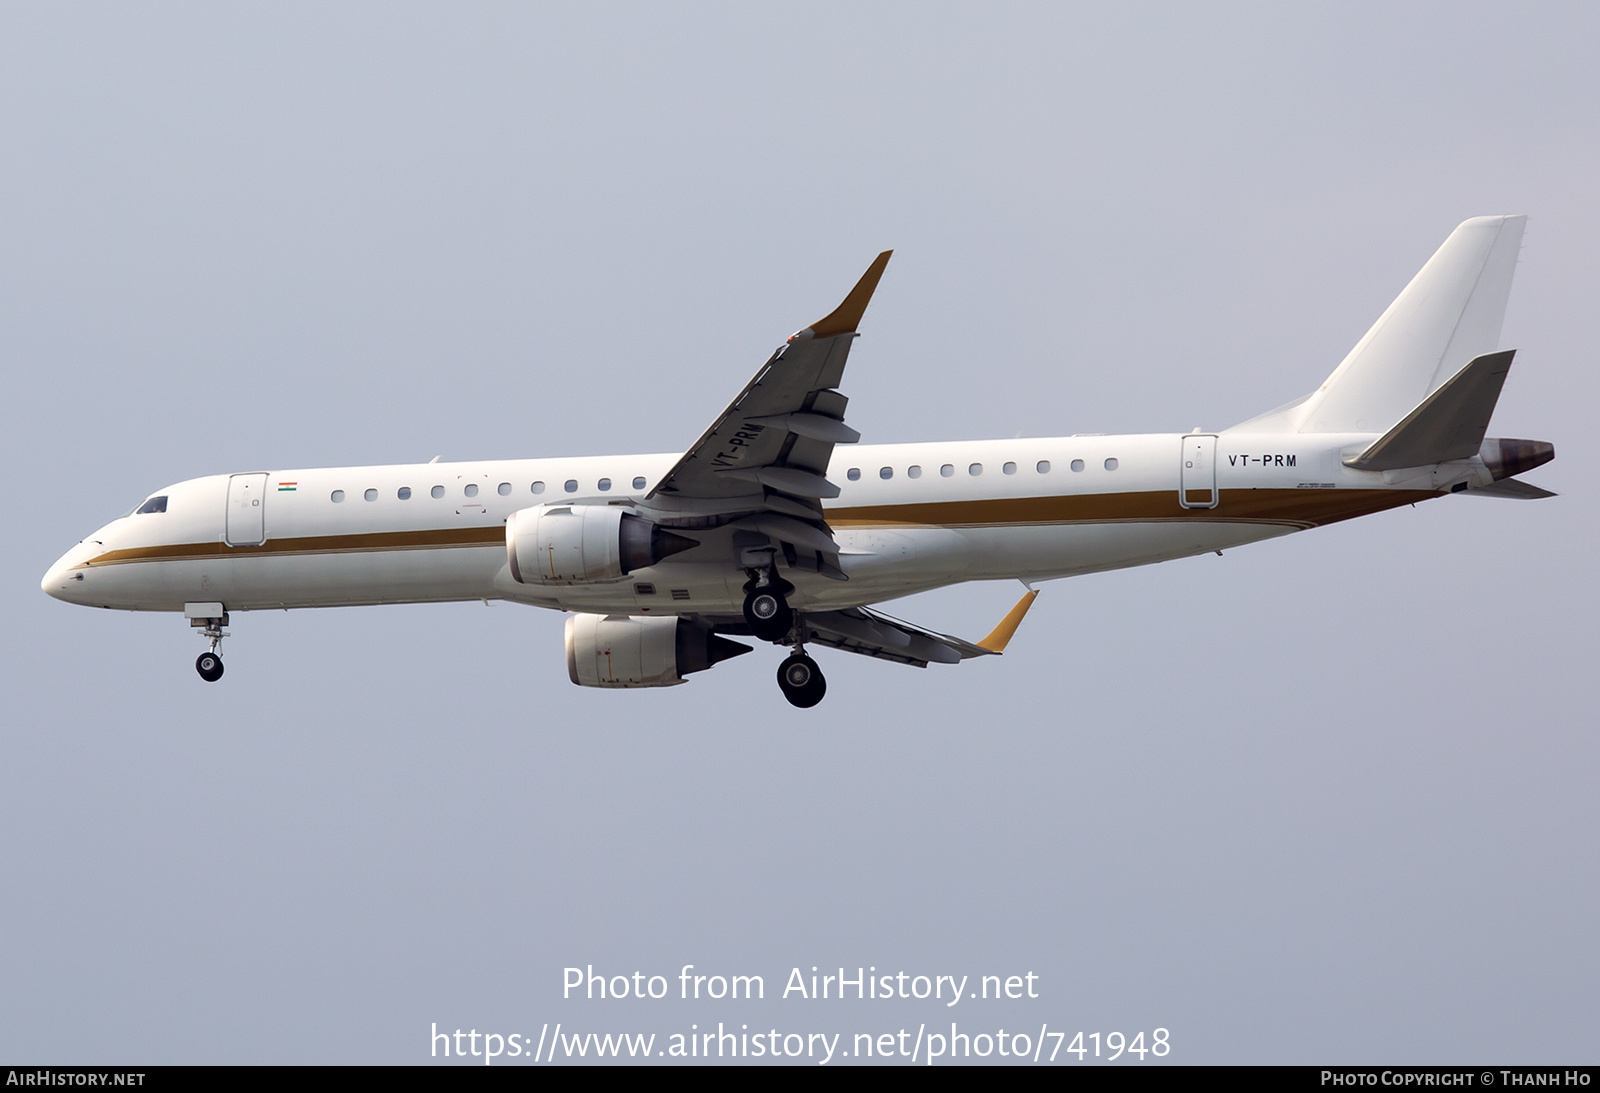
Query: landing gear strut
[767,610]
[209,663]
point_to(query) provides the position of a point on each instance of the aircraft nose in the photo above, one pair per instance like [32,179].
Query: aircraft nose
[54,581]
[62,580]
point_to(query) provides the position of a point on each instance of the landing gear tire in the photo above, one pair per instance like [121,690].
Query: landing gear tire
[209,665]
[768,613]
[801,681]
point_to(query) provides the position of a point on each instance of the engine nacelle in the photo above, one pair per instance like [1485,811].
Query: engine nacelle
[580,544]
[651,651]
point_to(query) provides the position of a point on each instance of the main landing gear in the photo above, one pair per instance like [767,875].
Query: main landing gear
[766,607]
[209,663]
[767,610]
[801,681]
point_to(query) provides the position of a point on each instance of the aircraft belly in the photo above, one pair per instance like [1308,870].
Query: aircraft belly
[906,553]
[1044,552]
[668,588]
[1040,553]
[401,576]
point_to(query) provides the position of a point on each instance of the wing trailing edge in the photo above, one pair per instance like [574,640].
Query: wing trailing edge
[874,634]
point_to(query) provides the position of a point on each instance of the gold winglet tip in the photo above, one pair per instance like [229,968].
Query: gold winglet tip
[847,316]
[1000,636]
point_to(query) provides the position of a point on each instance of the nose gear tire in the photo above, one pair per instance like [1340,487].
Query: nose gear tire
[209,665]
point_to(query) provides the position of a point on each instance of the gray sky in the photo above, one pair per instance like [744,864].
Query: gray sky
[1329,798]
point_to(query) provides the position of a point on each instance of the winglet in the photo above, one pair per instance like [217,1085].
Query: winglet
[1000,636]
[847,316]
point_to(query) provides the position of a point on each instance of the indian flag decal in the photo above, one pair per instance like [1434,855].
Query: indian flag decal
[288,487]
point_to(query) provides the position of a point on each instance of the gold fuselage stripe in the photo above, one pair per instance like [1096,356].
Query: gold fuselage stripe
[368,542]
[1298,508]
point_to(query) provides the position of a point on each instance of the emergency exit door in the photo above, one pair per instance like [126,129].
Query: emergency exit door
[1197,486]
[246,493]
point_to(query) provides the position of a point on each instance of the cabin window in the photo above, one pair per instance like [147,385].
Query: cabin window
[853,474]
[155,504]
[605,484]
[1077,464]
[975,470]
[405,493]
[885,472]
[337,497]
[472,489]
[947,470]
[638,483]
[571,485]
[371,495]
[1009,468]
[436,492]
[1111,464]
[1043,466]
[504,489]
[913,471]
[537,487]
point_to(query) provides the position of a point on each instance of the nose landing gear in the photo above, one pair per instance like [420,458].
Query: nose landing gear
[209,663]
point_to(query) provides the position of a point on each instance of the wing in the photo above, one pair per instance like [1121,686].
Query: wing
[763,462]
[871,633]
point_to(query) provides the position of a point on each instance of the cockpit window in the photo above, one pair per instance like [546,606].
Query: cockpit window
[155,504]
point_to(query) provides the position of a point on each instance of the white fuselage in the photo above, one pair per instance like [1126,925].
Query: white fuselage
[909,517]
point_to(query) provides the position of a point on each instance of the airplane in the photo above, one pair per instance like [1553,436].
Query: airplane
[777,525]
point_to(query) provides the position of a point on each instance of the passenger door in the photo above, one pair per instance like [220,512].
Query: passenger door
[246,492]
[1197,487]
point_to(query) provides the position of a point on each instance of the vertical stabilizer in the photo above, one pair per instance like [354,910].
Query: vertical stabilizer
[1449,314]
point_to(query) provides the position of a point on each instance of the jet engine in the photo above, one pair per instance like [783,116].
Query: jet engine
[579,544]
[656,651]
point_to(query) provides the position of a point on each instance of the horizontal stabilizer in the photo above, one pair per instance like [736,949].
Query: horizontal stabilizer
[1448,424]
[1514,488]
